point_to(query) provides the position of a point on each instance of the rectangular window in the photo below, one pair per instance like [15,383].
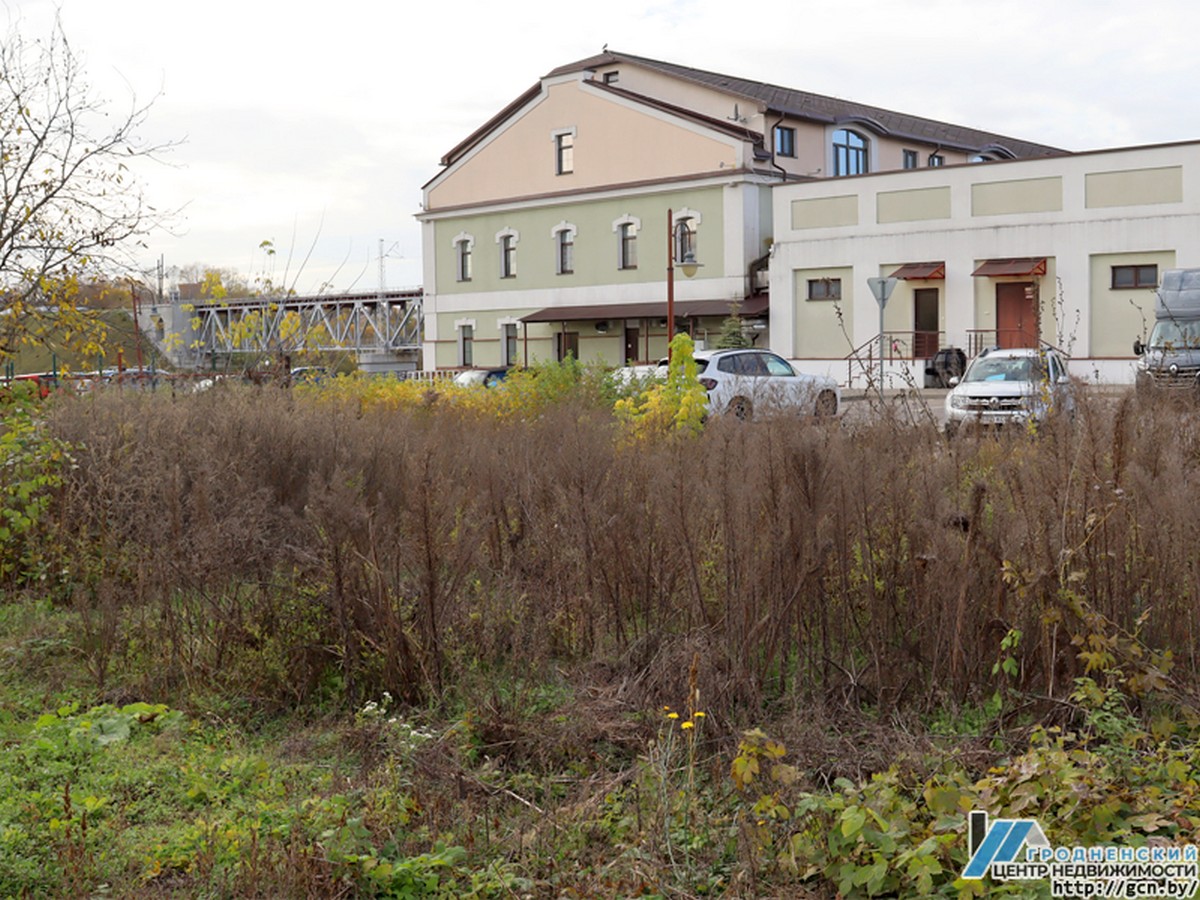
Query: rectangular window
[508,257]
[825,289]
[611,77]
[463,265]
[564,153]
[510,345]
[466,345]
[566,343]
[936,159]
[1134,277]
[628,248]
[566,252]
[785,141]
[910,159]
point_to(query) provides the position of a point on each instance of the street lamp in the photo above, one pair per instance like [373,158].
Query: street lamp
[689,266]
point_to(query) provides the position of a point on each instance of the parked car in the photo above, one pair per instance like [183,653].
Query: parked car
[1011,386]
[744,383]
[481,377]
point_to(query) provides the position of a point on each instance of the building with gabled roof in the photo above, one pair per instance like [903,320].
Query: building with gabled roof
[549,230]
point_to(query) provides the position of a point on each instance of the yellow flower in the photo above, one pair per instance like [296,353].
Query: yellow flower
[673,715]
[698,714]
[688,724]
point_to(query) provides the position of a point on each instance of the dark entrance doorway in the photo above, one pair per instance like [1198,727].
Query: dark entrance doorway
[1016,314]
[631,345]
[925,322]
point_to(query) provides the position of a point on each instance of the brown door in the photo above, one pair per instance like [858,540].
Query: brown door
[631,345]
[925,322]
[1016,315]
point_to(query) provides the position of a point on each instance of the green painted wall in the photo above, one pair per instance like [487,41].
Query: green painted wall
[595,243]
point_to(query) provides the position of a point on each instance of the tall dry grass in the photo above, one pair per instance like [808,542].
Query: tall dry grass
[260,543]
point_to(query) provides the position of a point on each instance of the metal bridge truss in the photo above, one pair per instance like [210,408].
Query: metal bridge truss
[371,323]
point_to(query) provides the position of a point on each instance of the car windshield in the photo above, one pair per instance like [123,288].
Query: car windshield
[472,376]
[1006,368]
[1172,334]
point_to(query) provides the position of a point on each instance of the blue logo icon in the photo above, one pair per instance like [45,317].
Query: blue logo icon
[999,842]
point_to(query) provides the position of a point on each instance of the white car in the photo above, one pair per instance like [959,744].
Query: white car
[1012,386]
[744,383]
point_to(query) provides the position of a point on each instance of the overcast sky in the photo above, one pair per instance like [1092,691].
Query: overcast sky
[314,125]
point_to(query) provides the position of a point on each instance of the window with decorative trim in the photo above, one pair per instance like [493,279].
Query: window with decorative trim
[685,240]
[510,343]
[627,246]
[466,345]
[507,240]
[1134,276]
[463,245]
[825,289]
[564,248]
[850,153]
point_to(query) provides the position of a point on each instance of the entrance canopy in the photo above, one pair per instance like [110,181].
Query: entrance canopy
[924,271]
[685,309]
[994,268]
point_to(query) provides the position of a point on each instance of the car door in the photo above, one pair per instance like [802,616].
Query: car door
[786,388]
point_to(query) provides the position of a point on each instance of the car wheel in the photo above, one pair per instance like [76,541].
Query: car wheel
[741,408]
[827,404]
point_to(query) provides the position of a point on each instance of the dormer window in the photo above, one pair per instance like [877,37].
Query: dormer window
[849,153]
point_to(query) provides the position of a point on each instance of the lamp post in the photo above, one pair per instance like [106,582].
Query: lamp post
[689,266]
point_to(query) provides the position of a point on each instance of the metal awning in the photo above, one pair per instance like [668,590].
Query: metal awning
[755,305]
[994,268]
[922,270]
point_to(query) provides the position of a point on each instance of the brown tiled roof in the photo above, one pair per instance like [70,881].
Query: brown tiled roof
[831,110]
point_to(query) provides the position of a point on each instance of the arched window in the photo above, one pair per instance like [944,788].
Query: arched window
[463,244]
[849,153]
[507,239]
[564,247]
[626,229]
[685,240]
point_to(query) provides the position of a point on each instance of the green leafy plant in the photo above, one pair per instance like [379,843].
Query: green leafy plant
[31,469]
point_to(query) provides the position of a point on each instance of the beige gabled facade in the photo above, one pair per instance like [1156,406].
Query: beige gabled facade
[546,231]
